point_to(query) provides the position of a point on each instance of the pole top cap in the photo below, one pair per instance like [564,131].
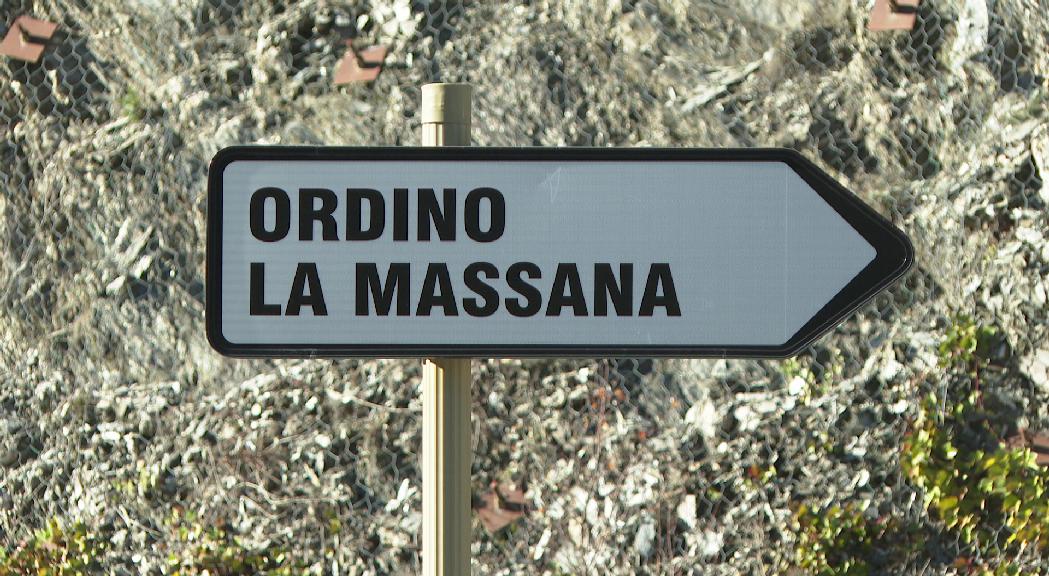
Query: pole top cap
[446,103]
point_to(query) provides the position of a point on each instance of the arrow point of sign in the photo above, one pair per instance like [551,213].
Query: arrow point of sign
[839,251]
[822,254]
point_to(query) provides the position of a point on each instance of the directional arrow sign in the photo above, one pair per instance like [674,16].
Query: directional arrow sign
[534,252]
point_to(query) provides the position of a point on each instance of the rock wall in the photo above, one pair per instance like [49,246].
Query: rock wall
[115,413]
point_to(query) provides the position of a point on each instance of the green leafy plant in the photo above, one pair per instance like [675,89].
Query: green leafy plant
[994,497]
[842,541]
[794,371]
[207,551]
[131,105]
[815,378]
[215,551]
[55,551]
[989,494]
[965,342]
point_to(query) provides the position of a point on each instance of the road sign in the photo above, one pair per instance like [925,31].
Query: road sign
[511,252]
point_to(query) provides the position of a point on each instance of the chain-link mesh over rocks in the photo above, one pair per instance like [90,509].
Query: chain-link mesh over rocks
[884,448]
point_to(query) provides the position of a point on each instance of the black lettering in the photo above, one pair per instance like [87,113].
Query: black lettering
[309,214]
[621,292]
[533,298]
[355,198]
[306,273]
[659,274]
[257,216]
[472,278]
[497,208]
[256,291]
[369,284]
[400,214]
[442,215]
[566,291]
[437,279]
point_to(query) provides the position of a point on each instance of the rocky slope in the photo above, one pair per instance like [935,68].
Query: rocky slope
[115,412]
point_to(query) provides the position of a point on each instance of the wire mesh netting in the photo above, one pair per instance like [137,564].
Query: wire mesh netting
[905,442]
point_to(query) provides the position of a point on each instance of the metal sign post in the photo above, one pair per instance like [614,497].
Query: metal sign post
[446,450]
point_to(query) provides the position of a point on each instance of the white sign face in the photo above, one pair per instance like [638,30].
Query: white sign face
[534,252]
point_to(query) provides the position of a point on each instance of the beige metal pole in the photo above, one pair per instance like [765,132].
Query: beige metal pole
[446,450]
[446,114]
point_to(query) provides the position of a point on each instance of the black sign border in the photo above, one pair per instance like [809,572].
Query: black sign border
[895,254]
